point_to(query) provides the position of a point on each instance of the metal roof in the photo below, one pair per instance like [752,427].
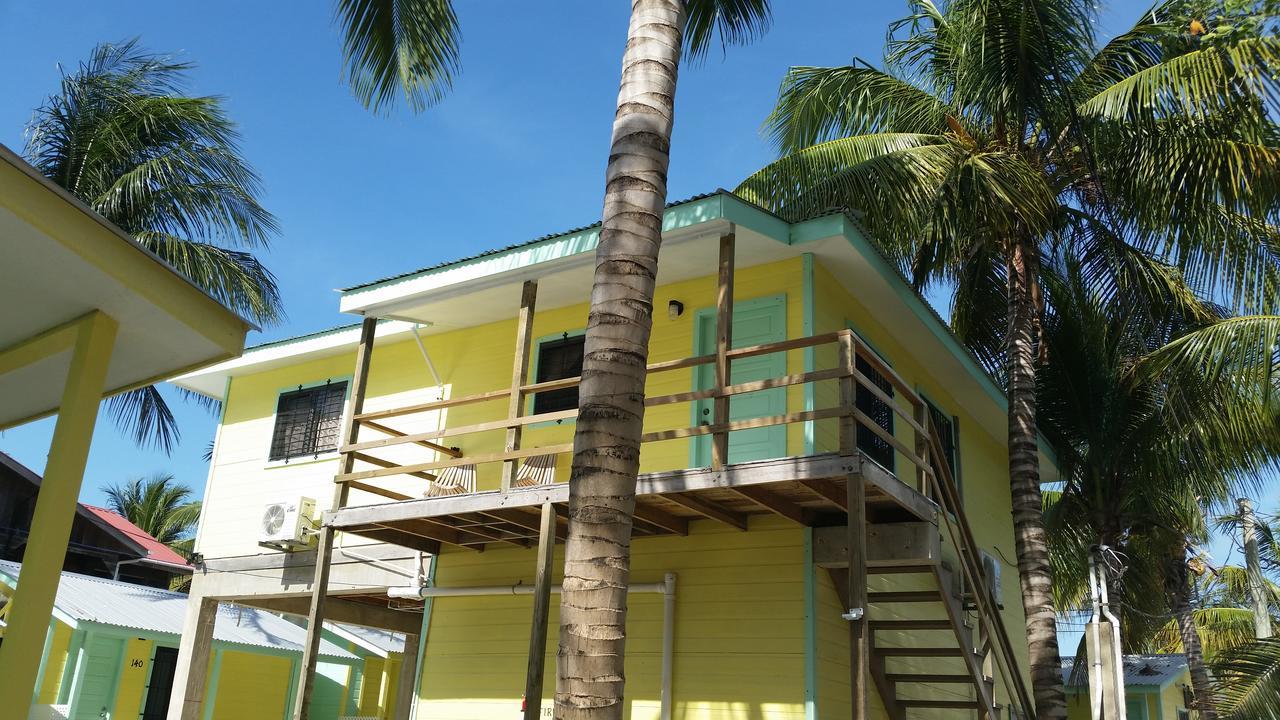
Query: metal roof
[375,639]
[525,243]
[1139,670]
[89,599]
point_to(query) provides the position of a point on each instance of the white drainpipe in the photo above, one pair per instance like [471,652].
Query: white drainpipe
[667,587]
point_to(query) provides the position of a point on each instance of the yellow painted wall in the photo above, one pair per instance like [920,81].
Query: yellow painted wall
[378,686]
[739,628]
[251,685]
[56,663]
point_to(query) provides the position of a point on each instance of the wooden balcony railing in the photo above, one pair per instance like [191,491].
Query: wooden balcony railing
[905,404]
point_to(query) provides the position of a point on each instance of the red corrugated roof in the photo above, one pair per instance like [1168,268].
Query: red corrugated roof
[156,550]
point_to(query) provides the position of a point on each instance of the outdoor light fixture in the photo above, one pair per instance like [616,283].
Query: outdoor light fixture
[675,309]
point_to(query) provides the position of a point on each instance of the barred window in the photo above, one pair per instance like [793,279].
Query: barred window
[558,359]
[946,427]
[869,443]
[307,421]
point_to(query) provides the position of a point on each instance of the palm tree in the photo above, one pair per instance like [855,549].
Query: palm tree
[410,48]
[998,131]
[159,505]
[121,136]
[1138,461]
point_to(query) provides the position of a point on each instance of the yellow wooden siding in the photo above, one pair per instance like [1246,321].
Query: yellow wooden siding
[471,360]
[739,617]
[55,664]
[378,686]
[251,685]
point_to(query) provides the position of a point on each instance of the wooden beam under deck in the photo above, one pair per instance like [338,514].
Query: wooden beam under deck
[801,489]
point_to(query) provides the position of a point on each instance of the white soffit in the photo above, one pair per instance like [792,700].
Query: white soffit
[61,261]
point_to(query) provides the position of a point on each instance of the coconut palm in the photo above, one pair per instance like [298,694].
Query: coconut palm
[409,48]
[1139,460]
[999,130]
[159,505]
[121,135]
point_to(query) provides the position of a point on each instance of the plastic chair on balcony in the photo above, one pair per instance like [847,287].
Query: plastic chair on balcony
[457,480]
[537,470]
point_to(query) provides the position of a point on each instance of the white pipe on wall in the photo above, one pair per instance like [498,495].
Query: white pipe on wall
[667,588]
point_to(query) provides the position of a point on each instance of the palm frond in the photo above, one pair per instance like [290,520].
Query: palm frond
[399,47]
[1194,84]
[1221,630]
[1248,681]
[144,414]
[734,22]
[817,104]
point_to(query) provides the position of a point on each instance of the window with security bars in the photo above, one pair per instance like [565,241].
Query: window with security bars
[869,443]
[558,359]
[946,428]
[308,421]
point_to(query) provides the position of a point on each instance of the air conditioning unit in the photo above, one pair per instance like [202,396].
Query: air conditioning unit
[288,525]
[991,573]
[991,570]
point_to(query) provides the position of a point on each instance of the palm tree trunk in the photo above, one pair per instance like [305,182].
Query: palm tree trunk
[606,452]
[1031,542]
[1179,587]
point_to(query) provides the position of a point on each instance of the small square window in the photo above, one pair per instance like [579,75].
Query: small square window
[558,359]
[308,421]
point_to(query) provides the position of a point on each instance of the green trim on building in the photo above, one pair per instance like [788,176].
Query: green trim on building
[810,629]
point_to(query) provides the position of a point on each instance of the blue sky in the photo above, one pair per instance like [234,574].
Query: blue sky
[515,152]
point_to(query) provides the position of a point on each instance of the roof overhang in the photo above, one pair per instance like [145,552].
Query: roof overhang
[62,261]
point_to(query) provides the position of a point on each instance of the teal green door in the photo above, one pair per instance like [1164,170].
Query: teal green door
[758,321]
[100,673]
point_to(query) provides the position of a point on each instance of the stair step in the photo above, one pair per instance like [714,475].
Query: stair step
[919,652]
[928,678]
[947,704]
[910,624]
[905,596]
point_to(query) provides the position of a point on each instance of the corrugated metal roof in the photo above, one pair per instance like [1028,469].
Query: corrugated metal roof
[535,241]
[383,640]
[1157,670]
[107,602]
[156,550]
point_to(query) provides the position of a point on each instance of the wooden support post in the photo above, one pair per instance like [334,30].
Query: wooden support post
[324,544]
[848,395]
[520,371]
[859,647]
[724,343]
[921,412]
[407,679]
[194,651]
[541,613]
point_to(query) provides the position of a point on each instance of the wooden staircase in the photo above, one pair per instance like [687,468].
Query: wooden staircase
[929,660]
[934,637]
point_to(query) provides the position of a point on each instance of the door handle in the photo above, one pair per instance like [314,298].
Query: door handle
[706,411]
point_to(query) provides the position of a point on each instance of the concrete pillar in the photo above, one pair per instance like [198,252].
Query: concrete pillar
[55,508]
[406,682]
[193,657]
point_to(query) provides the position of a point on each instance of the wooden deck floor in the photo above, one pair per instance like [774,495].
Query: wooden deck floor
[808,490]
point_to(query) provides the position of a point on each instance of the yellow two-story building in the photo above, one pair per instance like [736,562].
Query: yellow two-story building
[823,512]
